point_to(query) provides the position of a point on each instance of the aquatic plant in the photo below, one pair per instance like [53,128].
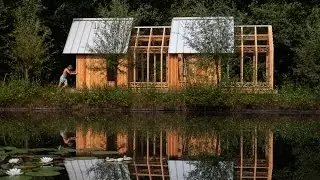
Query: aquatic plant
[13,161]
[14,172]
[46,160]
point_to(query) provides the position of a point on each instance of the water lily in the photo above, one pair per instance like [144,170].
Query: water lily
[14,172]
[119,159]
[127,158]
[13,160]
[110,159]
[46,159]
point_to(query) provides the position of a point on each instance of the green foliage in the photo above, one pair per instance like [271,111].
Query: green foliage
[4,39]
[29,46]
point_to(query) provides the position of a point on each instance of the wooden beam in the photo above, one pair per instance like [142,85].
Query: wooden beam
[270,154]
[241,155]
[242,56]
[161,55]
[135,55]
[148,159]
[154,67]
[256,57]
[271,56]
[161,161]
[148,56]
[154,145]
[134,154]
[255,154]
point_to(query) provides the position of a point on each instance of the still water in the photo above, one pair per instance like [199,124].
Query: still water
[104,145]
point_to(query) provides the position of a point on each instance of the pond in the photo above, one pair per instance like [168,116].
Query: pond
[106,145]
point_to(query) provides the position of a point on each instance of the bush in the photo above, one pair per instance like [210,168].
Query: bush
[17,94]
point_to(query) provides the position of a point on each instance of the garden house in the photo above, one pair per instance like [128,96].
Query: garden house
[192,51]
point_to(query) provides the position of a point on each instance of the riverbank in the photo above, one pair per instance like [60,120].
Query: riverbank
[25,95]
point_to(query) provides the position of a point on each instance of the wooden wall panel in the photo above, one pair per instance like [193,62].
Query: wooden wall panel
[89,139]
[91,71]
[199,75]
[174,144]
[81,71]
[206,144]
[122,143]
[173,71]
[122,73]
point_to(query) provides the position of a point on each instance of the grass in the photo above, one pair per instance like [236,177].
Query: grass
[18,94]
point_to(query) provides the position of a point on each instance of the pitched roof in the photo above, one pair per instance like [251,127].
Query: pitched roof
[90,35]
[202,35]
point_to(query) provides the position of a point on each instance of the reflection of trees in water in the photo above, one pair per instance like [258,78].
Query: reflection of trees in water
[110,171]
[211,169]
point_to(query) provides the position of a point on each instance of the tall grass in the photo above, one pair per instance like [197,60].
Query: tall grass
[18,93]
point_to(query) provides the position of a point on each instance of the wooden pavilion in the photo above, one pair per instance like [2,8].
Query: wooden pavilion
[157,56]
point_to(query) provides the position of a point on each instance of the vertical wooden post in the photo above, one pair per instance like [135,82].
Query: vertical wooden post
[154,67]
[154,145]
[135,55]
[270,154]
[271,57]
[267,69]
[134,154]
[241,59]
[255,154]
[241,155]
[255,60]
[161,161]
[161,55]
[148,56]
[148,163]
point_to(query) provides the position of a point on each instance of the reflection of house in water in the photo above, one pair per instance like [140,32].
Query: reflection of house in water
[251,151]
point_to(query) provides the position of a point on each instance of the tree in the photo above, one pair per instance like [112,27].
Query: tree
[307,69]
[112,35]
[289,30]
[212,39]
[4,39]
[29,46]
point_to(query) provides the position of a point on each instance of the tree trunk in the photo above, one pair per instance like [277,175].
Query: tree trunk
[26,74]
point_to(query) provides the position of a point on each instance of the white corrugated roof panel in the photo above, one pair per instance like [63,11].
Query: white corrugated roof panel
[202,35]
[181,170]
[99,35]
[94,168]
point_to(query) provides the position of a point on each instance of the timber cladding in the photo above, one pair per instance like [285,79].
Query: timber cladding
[91,71]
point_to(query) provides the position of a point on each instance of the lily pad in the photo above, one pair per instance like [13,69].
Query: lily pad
[6,166]
[18,151]
[43,173]
[67,150]
[37,150]
[26,167]
[40,156]
[51,168]
[2,172]
[8,148]
[15,178]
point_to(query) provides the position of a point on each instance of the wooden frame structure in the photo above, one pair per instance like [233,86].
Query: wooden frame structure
[252,41]
[149,64]
[255,167]
[152,150]
[150,53]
